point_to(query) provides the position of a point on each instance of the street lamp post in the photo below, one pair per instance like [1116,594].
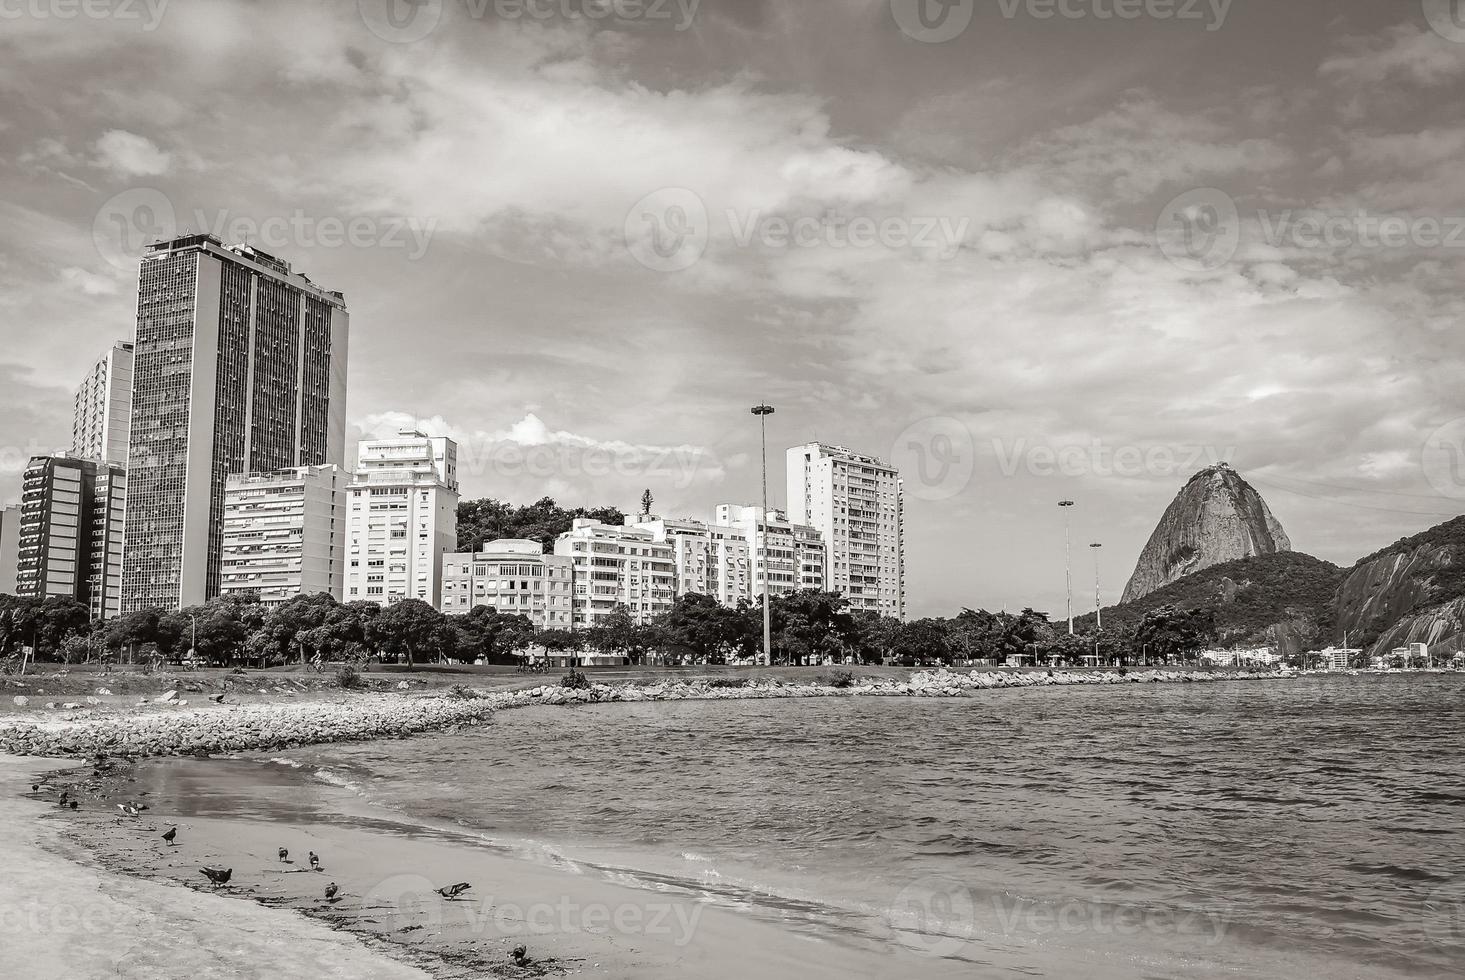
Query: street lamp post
[1068,559]
[763,411]
[1098,598]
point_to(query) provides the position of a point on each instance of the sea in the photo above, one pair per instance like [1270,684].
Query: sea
[1312,827]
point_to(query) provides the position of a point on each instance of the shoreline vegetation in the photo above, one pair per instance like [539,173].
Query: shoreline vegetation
[171,724]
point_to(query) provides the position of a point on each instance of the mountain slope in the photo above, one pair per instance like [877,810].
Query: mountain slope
[1216,518]
[1411,591]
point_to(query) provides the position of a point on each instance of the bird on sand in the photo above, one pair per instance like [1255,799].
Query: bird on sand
[453,891]
[65,798]
[35,787]
[284,854]
[130,809]
[219,876]
[331,890]
[73,804]
[171,835]
[314,861]
[520,955]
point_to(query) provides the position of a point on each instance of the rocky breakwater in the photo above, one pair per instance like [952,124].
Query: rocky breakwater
[941,683]
[236,728]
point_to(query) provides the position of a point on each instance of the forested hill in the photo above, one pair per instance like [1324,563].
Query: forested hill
[1250,595]
[481,521]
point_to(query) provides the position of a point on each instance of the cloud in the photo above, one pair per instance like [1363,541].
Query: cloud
[1404,54]
[129,155]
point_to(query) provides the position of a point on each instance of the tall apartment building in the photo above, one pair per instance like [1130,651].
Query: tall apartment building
[285,533]
[794,558]
[65,541]
[514,577]
[102,408]
[402,511]
[9,547]
[710,560]
[618,566]
[856,502]
[108,515]
[239,367]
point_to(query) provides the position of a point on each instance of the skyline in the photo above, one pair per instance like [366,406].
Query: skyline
[516,310]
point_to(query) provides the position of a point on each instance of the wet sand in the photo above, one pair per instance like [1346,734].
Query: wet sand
[273,920]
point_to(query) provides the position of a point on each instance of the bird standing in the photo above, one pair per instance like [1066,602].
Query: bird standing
[130,809]
[314,861]
[331,890]
[219,876]
[284,854]
[171,835]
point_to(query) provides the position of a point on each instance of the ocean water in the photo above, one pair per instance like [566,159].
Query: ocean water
[1277,829]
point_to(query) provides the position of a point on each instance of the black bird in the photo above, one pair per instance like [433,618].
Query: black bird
[331,890]
[284,854]
[314,862]
[64,798]
[73,804]
[219,876]
[171,834]
[35,787]
[520,955]
[453,891]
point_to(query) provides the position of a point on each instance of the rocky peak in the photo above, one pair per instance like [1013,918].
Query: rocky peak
[1217,517]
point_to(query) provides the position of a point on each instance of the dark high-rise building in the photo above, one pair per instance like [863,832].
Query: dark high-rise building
[55,507]
[239,366]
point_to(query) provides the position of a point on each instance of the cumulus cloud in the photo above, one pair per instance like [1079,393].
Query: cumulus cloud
[130,155]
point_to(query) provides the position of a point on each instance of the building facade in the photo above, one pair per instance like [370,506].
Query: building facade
[108,516]
[402,519]
[9,547]
[285,533]
[239,366]
[102,408]
[513,577]
[618,566]
[857,504]
[710,560]
[66,543]
[794,558]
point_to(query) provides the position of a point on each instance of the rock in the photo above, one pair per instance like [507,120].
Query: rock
[20,700]
[168,698]
[103,692]
[71,705]
[1217,517]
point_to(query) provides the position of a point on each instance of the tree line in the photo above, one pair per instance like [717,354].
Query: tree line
[807,627]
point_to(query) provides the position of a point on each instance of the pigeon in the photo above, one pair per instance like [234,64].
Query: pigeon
[520,955]
[171,835]
[130,809]
[453,891]
[314,861]
[35,787]
[219,876]
[65,797]
[284,854]
[331,890]
[73,804]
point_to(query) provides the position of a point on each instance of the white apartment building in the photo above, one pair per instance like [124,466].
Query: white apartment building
[795,556]
[618,566]
[856,503]
[514,577]
[710,560]
[102,408]
[402,514]
[285,533]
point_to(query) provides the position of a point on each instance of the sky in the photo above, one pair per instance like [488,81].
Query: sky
[1028,250]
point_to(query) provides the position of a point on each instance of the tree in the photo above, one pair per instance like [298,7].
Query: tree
[215,631]
[811,625]
[924,640]
[132,630]
[874,635]
[617,633]
[646,501]
[411,628]
[1170,632]
[482,521]
[704,627]
[491,635]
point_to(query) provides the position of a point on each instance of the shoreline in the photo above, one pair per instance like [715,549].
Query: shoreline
[165,726]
